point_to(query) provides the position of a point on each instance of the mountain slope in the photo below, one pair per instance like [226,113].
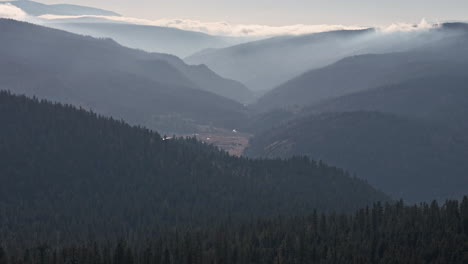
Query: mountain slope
[209,81]
[38,9]
[65,170]
[442,99]
[406,158]
[150,89]
[359,73]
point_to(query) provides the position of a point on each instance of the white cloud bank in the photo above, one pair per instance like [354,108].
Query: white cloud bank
[10,11]
[405,27]
[220,28]
[227,29]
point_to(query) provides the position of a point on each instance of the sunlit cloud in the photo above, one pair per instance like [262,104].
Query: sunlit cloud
[405,27]
[219,28]
[12,12]
[227,29]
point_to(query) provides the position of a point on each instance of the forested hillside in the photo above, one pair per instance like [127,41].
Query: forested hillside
[407,158]
[441,99]
[383,233]
[67,172]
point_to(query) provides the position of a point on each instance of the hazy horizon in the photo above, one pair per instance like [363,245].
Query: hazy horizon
[281,13]
[230,20]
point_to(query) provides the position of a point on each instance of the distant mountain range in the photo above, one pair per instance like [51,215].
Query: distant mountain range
[149,38]
[447,56]
[155,90]
[38,9]
[103,24]
[263,64]
[266,64]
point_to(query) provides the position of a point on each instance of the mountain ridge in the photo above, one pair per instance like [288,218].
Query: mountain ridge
[38,9]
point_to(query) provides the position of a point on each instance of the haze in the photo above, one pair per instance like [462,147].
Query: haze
[275,12]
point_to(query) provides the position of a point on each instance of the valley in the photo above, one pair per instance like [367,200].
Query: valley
[233,133]
[234,142]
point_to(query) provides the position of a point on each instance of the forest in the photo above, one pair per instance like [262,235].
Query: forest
[152,199]
[382,233]
[66,173]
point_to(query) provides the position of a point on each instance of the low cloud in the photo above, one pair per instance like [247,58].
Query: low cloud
[405,27]
[10,11]
[220,28]
[227,29]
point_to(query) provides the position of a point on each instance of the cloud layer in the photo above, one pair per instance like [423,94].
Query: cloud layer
[405,27]
[10,11]
[219,28]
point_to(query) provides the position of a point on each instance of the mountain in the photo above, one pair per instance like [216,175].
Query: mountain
[73,173]
[155,90]
[447,56]
[441,99]
[266,64]
[38,9]
[149,38]
[170,41]
[205,79]
[107,24]
[407,158]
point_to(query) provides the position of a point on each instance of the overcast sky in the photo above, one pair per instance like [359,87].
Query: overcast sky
[285,12]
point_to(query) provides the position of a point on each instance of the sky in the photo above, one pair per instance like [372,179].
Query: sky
[265,18]
[288,12]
